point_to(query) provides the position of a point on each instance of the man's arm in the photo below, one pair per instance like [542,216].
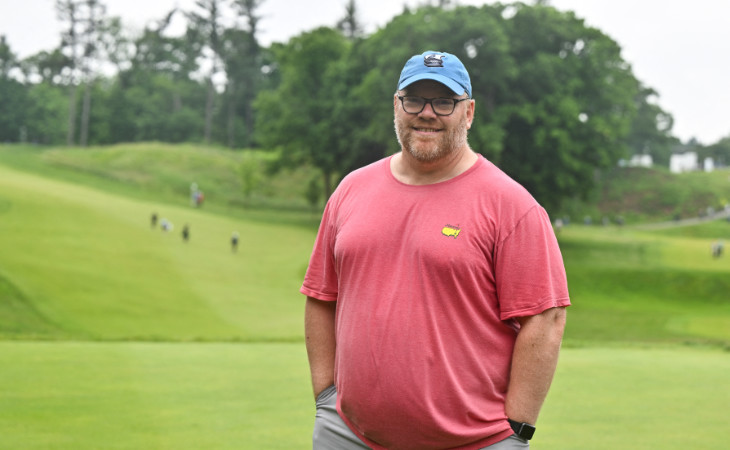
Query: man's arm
[534,360]
[319,333]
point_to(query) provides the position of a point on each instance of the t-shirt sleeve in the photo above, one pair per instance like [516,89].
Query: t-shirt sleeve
[529,270]
[320,280]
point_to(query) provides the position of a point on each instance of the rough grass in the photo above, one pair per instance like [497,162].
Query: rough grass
[640,195]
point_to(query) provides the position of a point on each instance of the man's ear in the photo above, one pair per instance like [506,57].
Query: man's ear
[470,113]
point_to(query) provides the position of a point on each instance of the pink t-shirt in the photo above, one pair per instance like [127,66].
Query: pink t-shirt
[428,281]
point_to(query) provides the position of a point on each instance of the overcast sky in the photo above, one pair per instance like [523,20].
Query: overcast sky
[677,47]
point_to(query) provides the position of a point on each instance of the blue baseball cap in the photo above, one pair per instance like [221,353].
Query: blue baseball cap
[445,68]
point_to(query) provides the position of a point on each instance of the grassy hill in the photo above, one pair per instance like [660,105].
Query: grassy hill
[644,195]
[82,263]
[81,260]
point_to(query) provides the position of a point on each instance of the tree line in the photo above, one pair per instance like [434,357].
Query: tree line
[555,99]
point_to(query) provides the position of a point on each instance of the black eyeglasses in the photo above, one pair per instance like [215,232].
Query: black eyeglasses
[441,106]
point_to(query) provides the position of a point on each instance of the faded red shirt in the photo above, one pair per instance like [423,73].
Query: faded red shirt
[428,281]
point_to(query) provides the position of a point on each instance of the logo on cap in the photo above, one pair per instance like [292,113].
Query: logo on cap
[433,60]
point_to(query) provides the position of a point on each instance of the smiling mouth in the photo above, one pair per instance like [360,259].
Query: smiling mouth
[427,130]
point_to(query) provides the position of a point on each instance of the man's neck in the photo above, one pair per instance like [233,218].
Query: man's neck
[406,169]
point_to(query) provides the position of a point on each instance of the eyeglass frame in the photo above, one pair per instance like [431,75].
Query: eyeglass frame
[429,101]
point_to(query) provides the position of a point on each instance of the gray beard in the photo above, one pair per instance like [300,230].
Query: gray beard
[434,151]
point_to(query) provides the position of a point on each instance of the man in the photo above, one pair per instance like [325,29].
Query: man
[436,289]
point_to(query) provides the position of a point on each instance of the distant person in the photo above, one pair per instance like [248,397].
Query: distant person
[153,220]
[558,225]
[436,291]
[717,248]
[234,241]
[186,232]
[166,225]
[194,194]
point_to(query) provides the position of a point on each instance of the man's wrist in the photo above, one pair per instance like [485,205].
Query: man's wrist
[522,429]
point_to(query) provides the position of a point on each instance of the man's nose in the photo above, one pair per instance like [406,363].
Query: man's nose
[428,110]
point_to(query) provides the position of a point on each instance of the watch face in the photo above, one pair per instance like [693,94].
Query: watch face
[526,431]
[522,429]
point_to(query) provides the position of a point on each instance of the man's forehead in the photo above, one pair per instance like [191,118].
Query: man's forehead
[429,86]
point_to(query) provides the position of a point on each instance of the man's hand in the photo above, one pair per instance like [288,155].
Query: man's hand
[319,333]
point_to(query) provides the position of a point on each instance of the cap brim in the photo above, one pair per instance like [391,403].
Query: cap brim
[448,82]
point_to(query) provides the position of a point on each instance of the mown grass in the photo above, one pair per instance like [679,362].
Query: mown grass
[118,335]
[71,395]
[606,398]
[634,286]
[65,395]
[90,265]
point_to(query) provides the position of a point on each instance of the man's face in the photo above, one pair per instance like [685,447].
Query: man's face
[427,136]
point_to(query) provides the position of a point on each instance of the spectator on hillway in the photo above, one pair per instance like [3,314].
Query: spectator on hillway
[234,241]
[194,194]
[717,248]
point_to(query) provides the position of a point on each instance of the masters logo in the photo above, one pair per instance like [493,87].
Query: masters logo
[451,231]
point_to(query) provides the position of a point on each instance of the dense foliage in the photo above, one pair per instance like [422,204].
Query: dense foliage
[555,99]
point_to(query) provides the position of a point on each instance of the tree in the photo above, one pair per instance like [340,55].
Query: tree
[651,129]
[95,11]
[719,152]
[44,122]
[13,97]
[83,20]
[299,117]
[209,28]
[568,110]
[47,67]
[8,60]
[242,57]
[350,25]
[155,98]
[68,12]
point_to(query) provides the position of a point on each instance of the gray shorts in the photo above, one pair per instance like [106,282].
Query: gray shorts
[331,433]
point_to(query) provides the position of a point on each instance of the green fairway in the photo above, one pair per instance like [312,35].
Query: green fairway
[637,398]
[154,396]
[115,334]
[257,396]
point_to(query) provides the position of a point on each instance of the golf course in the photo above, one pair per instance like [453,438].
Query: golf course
[116,334]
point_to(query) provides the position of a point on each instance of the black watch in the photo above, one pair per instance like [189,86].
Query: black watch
[522,429]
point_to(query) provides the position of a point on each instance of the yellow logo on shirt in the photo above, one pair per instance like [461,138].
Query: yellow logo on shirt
[451,231]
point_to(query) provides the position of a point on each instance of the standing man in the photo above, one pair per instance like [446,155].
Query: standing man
[436,291]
